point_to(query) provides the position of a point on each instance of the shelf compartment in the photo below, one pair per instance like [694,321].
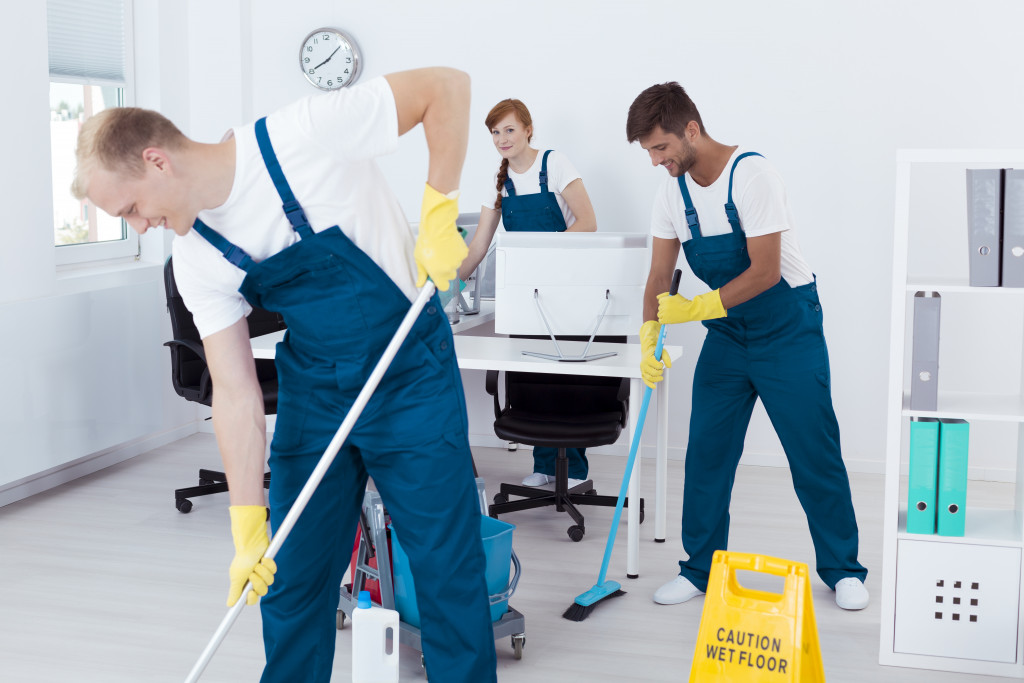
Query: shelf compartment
[985,526]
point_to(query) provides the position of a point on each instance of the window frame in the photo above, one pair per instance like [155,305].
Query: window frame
[127,248]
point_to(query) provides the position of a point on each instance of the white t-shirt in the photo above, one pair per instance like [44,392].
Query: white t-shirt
[326,144]
[760,199]
[561,172]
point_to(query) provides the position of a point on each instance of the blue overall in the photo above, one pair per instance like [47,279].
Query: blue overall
[342,310]
[540,213]
[773,347]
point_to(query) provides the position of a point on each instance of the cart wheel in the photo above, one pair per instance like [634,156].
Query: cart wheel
[341,620]
[184,505]
[575,533]
[518,643]
[500,498]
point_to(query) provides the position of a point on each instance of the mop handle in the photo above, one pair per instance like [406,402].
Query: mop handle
[634,447]
[326,459]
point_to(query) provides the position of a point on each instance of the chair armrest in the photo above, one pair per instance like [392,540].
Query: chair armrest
[194,347]
[491,385]
[623,397]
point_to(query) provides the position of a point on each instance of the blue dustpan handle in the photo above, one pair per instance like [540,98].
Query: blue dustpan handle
[633,449]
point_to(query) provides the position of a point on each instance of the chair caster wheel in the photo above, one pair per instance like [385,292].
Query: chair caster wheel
[205,482]
[500,498]
[575,533]
[641,515]
[184,505]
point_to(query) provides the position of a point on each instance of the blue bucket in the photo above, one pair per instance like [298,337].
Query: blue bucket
[497,540]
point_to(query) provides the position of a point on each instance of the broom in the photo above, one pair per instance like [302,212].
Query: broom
[585,603]
[318,473]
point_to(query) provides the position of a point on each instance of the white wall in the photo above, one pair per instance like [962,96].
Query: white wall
[827,92]
[86,379]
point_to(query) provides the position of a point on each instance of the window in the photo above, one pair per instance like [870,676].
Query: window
[89,72]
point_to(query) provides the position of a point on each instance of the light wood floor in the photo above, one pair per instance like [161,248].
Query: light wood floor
[103,580]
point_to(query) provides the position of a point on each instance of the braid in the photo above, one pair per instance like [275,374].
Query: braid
[502,176]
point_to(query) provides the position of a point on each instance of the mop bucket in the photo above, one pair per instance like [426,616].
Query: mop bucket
[497,540]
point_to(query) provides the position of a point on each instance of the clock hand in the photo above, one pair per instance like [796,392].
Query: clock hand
[328,59]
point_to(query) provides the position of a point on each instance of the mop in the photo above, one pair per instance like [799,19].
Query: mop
[326,459]
[585,603]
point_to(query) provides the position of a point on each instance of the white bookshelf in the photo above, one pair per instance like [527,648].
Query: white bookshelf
[927,580]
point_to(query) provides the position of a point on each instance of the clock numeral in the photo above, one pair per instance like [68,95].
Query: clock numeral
[326,36]
[311,72]
[330,82]
[348,60]
[346,70]
[309,48]
[306,60]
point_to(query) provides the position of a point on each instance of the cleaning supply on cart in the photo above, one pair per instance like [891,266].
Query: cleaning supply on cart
[374,642]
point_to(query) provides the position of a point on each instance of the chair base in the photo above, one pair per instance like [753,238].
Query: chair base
[210,482]
[562,497]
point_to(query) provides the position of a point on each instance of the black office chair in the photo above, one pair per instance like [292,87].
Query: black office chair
[558,411]
[191,377]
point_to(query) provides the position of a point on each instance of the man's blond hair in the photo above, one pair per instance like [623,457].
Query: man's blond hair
[114,140]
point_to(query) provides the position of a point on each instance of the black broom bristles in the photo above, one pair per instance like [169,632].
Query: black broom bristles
[578,612]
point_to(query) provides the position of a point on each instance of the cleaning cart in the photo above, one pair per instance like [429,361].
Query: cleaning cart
[373,565]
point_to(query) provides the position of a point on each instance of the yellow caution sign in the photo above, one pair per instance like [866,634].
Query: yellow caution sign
[757,636]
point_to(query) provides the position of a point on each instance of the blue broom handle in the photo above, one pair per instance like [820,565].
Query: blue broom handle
[633,449]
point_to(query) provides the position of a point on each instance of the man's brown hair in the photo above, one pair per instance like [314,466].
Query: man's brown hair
[666,105]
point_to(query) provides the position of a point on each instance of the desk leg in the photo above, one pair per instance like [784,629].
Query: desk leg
[633,509]
[661,476]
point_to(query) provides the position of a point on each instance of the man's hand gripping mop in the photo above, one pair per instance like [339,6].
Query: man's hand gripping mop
[326,459]
[585,603]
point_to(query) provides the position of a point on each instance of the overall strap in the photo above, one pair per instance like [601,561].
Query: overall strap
[292,208]
[232,253]
[509,187]
[691,213]
[544,172]
[730,209]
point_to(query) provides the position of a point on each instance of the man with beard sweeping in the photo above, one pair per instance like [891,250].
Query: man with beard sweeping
[728,208]
[343,290]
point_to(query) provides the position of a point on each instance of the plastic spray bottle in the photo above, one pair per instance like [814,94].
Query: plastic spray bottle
[374,642]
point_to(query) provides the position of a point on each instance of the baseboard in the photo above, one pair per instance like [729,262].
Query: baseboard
[62,474]
[677,453]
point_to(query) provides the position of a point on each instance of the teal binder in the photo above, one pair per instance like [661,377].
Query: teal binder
[924,475]
[952,511]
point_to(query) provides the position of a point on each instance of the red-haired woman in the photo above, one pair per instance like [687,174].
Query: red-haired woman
[536,192]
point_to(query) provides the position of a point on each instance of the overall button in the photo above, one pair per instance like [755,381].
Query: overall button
[431,310]
[814,288]
[444,345]
[817,307]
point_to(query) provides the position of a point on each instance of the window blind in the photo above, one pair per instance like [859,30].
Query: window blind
[87,39]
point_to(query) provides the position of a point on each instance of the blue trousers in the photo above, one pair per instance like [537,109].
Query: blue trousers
[544,459]
[416,450]
[779,356]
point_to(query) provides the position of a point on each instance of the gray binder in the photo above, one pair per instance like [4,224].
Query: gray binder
[924,365]
[984,203]
[1013,228]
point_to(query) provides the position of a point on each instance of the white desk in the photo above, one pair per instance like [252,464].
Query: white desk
[502,353]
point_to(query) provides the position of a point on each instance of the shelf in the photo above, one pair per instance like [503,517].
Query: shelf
[985,526]
[957,286]
[964,406]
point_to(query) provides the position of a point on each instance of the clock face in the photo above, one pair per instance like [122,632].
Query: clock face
[329,59]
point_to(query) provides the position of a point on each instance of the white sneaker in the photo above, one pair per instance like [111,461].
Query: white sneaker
[676,591]
[851,593]
[537,479]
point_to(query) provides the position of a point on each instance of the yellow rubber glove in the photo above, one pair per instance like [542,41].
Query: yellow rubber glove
[440,249]
[651,368]
[678,309]
[249,531]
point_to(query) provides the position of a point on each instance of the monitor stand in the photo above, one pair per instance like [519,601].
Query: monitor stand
[562,358]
